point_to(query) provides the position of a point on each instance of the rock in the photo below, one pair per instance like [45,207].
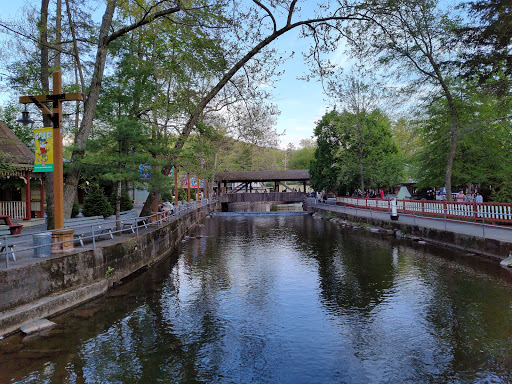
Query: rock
[398,234]
[36,326]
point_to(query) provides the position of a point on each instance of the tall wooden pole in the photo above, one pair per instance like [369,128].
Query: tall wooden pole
[58,173]
[188,185]
[176,187]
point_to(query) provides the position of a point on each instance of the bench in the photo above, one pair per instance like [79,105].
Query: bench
[14,228]
[131,219]
[87,226]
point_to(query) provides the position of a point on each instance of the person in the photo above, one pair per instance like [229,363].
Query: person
[460,197]
[381,194]
[479,198]
[318,197]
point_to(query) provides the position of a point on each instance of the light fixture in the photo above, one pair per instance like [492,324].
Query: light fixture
[25,119]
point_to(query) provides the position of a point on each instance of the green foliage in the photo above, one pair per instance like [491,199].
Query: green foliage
[126,201]
[351,146]
[483,155]
[75,210]
[108,272]
[96,203]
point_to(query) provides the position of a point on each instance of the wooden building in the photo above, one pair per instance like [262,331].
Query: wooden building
[21,190]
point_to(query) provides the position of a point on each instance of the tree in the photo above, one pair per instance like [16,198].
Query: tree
[483,155]
[489,37]
[414,39]
[353,150]
[301,158]
[262,29]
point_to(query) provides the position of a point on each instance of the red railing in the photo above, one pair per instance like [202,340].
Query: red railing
[496,213]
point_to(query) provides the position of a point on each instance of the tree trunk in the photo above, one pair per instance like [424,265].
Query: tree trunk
[47,122]
[83,133]
[118,205]
[454,131]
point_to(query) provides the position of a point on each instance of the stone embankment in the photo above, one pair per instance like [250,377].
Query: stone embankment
[494,243]
[53,285]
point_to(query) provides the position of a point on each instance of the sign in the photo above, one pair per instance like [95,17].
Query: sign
[193,181]
[43,138]
[145,171]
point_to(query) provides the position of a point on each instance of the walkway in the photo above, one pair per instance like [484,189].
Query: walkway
[24,251]
[499,233]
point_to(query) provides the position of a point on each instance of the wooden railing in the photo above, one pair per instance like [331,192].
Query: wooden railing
[14,209]
[490,212]
[286,197]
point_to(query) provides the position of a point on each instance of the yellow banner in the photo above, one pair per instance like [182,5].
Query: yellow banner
[44,149]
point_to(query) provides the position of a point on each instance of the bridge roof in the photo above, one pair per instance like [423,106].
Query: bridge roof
[281,175]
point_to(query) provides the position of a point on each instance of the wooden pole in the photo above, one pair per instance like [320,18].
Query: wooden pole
[188,185]
[28,203]
[41,192]
[176,187]
[58,173]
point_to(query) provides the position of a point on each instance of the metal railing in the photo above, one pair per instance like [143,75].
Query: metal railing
[95,232]
[494,213]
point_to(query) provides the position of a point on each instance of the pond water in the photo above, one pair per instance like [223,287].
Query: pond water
[284,299]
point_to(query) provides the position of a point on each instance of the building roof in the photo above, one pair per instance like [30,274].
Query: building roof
[14,150]
[281,175]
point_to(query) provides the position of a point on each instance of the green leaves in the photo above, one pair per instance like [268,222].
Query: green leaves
[355,151]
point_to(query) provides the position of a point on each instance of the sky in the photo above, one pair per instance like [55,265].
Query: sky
[301,103]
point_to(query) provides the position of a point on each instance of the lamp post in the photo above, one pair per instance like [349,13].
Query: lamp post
[56,98]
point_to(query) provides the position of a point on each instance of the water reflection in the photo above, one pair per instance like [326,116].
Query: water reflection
[284,299]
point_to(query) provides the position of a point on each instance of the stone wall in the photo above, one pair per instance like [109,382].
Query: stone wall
[491,248]
[27,292]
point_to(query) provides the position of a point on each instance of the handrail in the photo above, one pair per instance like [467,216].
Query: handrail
[157,219]
[495,213]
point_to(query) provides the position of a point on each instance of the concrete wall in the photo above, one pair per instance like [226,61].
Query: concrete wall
[494,249]
[27,293]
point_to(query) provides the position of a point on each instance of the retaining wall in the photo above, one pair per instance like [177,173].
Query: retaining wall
[491,248]
[53,285]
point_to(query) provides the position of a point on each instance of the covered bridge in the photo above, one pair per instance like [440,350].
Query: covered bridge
[244,179]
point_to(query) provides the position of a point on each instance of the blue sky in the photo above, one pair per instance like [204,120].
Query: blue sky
[301,103]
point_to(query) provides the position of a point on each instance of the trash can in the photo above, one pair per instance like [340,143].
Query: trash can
[43,243]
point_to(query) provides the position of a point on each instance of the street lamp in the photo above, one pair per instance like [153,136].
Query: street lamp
[25,119]
[56,98]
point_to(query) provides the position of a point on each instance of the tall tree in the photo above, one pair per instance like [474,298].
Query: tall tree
[414,39]
[254,29]
[489,36]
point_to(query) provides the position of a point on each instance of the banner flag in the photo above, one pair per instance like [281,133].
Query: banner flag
[43,138]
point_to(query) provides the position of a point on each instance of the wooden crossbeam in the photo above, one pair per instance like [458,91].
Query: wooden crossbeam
[50,98]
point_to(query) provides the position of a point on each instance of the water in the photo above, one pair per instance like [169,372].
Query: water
[287,299]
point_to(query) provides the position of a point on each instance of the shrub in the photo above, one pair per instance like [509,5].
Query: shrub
[96,203]
[76,209]
[126,201]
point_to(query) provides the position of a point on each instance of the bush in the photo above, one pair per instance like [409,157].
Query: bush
[126,201]
[75,210]
[96,203]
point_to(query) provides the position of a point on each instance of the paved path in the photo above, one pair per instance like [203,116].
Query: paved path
[25,253]
[500,233]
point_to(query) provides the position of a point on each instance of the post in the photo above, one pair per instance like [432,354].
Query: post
[198,198]
[188,186]
[28,204]
[176,187]
[58,174]
[41,193]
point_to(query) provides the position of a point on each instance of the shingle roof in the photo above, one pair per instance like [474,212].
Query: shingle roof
[12,147]
[290,175]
